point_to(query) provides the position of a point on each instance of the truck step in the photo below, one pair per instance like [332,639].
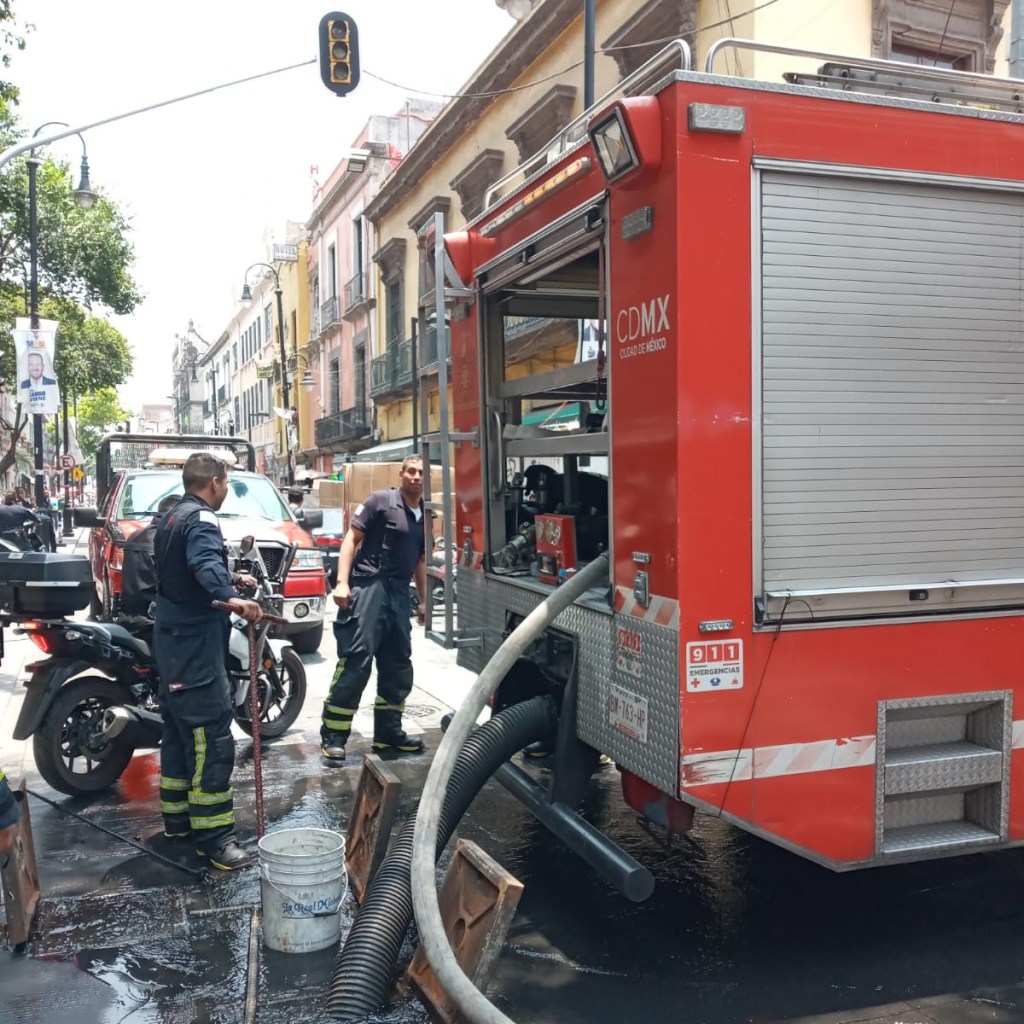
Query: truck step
[935,767]
[939,836]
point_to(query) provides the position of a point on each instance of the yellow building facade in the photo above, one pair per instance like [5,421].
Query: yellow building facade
[513,106]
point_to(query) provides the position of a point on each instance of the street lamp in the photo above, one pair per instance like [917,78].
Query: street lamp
[86,198]
[247,297]
[306,382]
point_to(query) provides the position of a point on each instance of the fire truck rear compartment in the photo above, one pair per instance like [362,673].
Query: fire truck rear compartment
[943,773]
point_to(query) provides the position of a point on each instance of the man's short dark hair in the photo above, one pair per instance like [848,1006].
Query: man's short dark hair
[408,459]
[166,504]
[200,469]
[295,494]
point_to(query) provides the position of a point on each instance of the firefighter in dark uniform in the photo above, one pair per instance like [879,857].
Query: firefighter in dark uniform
[382,550]
[197,751]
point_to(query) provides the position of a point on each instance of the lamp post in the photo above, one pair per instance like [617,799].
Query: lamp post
[85,198]
[247,297]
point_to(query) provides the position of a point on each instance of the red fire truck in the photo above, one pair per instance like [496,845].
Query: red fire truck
[800,440]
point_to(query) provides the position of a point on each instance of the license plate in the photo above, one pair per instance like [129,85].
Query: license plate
[627,712]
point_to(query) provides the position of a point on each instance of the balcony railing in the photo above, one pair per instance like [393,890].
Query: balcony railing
[347,425]
[357,293]
[516,326]
[314,326]
[392,371]
[428,349]
[329,313]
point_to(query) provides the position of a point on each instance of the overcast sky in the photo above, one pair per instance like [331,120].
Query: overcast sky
[207,181]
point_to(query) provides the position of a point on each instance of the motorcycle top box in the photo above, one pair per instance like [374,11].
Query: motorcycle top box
[44,583]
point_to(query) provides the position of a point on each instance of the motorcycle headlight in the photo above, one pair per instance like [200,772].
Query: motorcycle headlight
[307,558]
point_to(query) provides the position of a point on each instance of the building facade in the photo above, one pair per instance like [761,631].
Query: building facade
[341,287]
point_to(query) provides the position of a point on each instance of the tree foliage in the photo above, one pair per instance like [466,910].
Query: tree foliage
[12,38]
[98,414]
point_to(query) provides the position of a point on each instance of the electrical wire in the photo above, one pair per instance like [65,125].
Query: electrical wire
[750,716]
[945,29]
[558,74]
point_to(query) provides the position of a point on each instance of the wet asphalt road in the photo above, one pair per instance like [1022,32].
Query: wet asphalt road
[737,930]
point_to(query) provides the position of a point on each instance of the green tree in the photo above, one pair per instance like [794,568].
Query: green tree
[11,40]
[98,414]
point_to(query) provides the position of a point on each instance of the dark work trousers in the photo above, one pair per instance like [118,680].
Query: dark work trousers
[375,625]
[197,751]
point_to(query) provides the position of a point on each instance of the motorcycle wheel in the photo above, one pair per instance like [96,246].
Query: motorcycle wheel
[278,714]
[67,751]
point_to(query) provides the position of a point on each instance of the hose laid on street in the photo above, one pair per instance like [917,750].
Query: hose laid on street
[365,968]
[471,1002]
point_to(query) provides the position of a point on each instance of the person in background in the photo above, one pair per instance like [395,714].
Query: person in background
[383,549]
[295,500]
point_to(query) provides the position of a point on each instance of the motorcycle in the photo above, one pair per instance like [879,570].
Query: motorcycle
[32,533]
[93,702]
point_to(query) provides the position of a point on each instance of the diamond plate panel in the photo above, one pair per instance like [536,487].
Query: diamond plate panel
[483,604]
[987,720]
[941,766]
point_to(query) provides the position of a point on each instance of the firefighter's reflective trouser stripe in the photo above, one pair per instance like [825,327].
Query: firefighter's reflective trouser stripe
[375,625]
[197,755]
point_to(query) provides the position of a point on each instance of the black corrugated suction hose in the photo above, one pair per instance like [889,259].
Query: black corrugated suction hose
[365,967]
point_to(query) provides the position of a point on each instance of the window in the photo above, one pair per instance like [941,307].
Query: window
[332,272]
[962,36]
[234,357]
[268,323]
[393,311]
[334,384]
[358,257]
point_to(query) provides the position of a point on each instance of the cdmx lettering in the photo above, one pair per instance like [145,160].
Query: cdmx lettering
[642,321]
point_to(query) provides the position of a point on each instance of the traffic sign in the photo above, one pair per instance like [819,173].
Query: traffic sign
[77,474]
[67,462]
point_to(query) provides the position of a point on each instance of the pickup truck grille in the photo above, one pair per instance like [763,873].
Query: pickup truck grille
[272,555]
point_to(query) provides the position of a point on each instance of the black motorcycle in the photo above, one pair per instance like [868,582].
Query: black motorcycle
[22,529]
[93,701]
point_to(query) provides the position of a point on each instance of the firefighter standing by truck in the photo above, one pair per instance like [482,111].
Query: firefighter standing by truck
[197,751]
[383,548]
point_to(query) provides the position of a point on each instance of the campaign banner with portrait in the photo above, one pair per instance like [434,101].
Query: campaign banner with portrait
[37,383]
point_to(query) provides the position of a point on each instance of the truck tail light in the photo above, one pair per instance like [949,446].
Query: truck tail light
[329,542]
[41,640]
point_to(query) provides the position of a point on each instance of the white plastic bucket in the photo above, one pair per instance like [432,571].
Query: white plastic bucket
[302,884]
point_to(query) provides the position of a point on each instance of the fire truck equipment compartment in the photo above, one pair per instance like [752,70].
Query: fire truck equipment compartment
[43,583]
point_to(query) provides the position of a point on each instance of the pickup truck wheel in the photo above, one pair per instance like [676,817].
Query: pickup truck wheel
[308,642]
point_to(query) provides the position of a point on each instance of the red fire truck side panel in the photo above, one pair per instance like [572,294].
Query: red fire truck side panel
[792,751]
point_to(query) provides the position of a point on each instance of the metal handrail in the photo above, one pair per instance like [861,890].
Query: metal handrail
[923,72]
[674,56]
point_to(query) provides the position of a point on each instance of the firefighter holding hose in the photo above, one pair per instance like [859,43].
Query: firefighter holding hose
[197,751]
[383,549]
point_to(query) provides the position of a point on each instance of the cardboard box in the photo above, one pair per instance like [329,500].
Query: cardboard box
[436,487]
[331,493]
[363,477]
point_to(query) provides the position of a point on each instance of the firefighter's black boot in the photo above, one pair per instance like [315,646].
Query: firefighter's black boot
[229,856]
[388,734]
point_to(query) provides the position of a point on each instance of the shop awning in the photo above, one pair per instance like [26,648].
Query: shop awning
[389,451]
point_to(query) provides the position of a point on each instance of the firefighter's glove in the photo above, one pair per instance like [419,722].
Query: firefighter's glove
[248,610]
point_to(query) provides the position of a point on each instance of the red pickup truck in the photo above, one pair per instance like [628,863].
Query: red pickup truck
[135,472]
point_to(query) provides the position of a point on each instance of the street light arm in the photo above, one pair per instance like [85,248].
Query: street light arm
[22,147]
[270,267]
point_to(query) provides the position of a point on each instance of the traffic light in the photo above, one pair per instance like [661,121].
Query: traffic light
[339,53]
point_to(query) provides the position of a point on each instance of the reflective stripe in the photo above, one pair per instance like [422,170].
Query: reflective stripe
[339,668]
[214,821]
[339,711]
[208,799]
[380,704]
[176,808]
[174,784]
[338,724]
[199,741]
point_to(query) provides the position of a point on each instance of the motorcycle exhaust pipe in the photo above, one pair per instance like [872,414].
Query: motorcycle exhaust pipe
[133,727]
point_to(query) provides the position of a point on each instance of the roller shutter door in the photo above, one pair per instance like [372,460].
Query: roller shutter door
[892,371]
